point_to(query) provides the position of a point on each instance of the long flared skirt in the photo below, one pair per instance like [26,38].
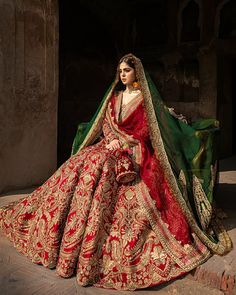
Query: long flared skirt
[83,222]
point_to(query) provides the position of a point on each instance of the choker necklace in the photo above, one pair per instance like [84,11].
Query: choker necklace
[132,90]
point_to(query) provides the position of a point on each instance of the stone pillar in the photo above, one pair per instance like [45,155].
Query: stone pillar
[28,92]
[208,85]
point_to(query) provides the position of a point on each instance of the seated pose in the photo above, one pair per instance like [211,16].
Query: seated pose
[132,207]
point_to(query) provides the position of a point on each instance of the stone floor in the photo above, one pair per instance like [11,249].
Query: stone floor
[217,276]
[220,271]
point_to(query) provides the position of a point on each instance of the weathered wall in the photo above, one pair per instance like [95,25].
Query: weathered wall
[195,71]
[28,92]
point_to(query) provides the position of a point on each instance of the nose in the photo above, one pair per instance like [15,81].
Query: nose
[123,74]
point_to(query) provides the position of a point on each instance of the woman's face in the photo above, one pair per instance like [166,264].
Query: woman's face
[127,74]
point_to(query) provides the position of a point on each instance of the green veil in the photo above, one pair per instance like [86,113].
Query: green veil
[191,150]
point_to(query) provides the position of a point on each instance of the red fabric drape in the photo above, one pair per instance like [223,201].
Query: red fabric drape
[152,175]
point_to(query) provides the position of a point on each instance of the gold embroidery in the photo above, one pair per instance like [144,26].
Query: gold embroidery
[125,111]
[112,235]
[224,245]
[187,257]
[203,206]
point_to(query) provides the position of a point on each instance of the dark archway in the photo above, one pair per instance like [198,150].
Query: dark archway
[226,104]
[190,22]
[86,51]
[227,26]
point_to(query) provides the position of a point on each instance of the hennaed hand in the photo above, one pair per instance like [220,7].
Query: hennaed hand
[113,145]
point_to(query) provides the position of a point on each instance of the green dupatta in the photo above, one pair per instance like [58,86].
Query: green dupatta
[191,151]
[190,148]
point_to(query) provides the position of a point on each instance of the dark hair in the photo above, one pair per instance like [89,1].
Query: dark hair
[130,62]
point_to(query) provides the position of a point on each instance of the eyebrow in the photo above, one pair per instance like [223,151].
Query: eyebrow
[126,68]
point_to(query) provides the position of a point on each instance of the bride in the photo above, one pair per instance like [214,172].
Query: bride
[132,207]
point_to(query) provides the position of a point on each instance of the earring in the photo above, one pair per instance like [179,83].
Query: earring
[135,84]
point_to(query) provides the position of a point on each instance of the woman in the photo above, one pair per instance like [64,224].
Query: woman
[132,207]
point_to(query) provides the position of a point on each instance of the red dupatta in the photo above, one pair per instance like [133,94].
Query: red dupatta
[136,125]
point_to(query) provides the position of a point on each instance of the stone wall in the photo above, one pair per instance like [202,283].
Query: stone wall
[28,92]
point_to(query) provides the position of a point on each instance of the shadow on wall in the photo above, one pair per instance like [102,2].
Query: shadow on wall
[83,84]
[225,199]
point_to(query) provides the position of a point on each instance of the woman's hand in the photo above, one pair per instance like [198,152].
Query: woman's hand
[178,116]
[113,145]
[132,141]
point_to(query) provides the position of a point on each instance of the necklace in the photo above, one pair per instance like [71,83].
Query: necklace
[130,91]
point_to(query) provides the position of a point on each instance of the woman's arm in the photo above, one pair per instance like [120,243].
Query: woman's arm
[179,117]
[107,131]
[111,139]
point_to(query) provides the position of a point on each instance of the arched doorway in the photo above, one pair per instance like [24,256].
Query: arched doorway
[226,104]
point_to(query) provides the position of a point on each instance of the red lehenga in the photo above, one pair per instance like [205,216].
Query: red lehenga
[112,235]
[84,220]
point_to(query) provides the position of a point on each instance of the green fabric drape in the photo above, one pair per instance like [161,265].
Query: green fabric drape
[190,148]
[83,128]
